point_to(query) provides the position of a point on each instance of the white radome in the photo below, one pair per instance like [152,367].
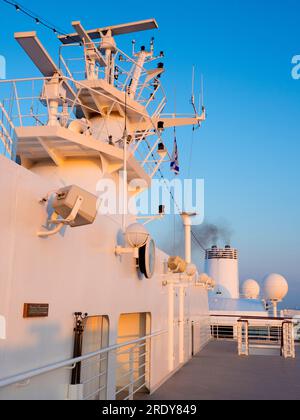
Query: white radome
[275,287]
[251,289]
[136,235]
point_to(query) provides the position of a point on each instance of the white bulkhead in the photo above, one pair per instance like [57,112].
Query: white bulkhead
[76,270]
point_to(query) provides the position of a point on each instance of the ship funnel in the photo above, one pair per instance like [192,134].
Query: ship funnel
[221,264]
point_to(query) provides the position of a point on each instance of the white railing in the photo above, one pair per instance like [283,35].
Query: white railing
[72,63]
[7,131]
[133,370]
[222,332]
[253,334]
[130,370]
[24,103]
[256,335]
[266,334]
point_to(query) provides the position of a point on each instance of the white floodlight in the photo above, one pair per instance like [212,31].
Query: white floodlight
[207,282]
[177,265]
[191,270]
[73,207]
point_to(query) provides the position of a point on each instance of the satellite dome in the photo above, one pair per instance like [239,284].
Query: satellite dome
[251,289]
[275,287]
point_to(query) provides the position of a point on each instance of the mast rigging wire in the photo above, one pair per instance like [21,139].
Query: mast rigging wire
[38,19]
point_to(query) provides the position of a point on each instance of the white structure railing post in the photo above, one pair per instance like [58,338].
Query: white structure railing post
[243,339]
[131,374]
[288,340]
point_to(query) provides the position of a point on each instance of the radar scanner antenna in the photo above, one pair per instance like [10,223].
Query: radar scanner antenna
[105,53]
[38,54]
[92,54]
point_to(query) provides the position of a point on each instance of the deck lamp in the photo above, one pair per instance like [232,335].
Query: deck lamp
[161,149]
[191,270]
[177,265]
[207,282]
[160,126]
[136,236]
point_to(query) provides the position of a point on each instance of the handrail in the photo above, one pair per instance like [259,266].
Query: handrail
[21,113]
[11,380]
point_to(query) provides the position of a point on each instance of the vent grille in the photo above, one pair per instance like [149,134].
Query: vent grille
[226,254]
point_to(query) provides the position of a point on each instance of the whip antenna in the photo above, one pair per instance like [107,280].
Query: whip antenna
[201,95]
[193,91]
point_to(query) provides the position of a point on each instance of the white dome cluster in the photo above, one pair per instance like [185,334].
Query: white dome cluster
[275,287]
[251,289]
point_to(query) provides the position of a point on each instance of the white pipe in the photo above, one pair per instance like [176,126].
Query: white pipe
[171,327]
[181,324]
[186,218]
[52,232]
[188,252]
[125,178]
[53,113]
[275,311]
[108,69]
[137,73]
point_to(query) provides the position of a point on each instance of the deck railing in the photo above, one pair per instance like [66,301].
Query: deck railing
[128,363]
[7,134]
[255,333]
[24,102]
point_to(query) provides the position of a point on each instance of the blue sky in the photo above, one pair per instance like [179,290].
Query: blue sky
[248,149]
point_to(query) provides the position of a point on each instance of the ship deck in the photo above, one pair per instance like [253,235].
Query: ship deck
[218,373]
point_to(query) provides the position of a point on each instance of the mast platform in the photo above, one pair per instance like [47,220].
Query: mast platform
[36,144]
[99,96]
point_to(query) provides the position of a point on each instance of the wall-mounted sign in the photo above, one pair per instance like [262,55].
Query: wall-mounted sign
[35,310]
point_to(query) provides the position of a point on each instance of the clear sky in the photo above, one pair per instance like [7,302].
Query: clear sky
[248,149]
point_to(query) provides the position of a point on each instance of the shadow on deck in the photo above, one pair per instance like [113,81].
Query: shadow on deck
[218,373]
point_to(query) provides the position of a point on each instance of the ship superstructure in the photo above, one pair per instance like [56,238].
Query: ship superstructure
[93,310]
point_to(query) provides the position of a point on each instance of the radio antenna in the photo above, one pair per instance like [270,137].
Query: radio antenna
[201,96]
[202,91]
[193,91]
[193,85]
